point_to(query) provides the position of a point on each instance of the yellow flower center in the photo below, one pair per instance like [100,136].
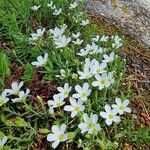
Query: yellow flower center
[121,107]
[83,94]
[91,125]
[1,102]
[110,116]
[66,93]
[86,77]
[98,71]
[58,104]
[16,91]
[76,108]
[60,137]
[102,81]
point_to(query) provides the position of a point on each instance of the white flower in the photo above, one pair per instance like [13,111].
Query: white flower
[78,42]
[35,8]
[90,124]
[22,96]
[110,115]
[94,49]
[82,92]
[90,63]
[85,22]
[58,100]
[41,61]
[99,68]
[3,98]
[15,88]
[51,5]
[65,90]
[121,107]
[51,110]
[104,38]
[75,107]
[102,81]
[109,58]
[33,39]
[57,12]
[62,41]
[3,141]
[35,36]
[62,74]
[74,5]
[58,135]
[76,35]
[83,52]
[96,38]
[57,32]
[111,77]
[86,74]
[40,32]
[117,42]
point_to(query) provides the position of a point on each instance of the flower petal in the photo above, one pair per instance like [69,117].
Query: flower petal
[51,137]
[55,144]
[55,129]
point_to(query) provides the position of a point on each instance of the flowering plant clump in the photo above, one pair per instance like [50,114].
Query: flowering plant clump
[86,103]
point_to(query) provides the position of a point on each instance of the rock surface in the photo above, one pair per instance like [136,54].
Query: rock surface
[132,15]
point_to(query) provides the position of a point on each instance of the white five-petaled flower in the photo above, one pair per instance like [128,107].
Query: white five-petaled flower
[57,12]
[76,36]
[35,36]
[121,107]
[40,32]
[83,52]
[35,8]
[110,115]
[109,58]
[85,22]
[82,92]
[64,90]
[3,98]
[77,42]
[102,81]
[90,63]
[58,135]
[94,49]
[74,5]
[96,38]
[57,32]
[58,100]
[75,107]
[104,38]
[63,74]
[51,110]
[86,74]
[117,42]
[90,124]
[111,77]
[22,96]
[41,61]
[15,88]
[51,5]
[98,68]
[62,41]
[3,141]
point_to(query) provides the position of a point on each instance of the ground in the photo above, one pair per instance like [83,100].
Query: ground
[137,73]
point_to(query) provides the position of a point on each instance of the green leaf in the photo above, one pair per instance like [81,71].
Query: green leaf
[4,65]
[43,131]
[20,122]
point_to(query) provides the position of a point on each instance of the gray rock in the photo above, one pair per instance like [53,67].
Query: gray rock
[132,15]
